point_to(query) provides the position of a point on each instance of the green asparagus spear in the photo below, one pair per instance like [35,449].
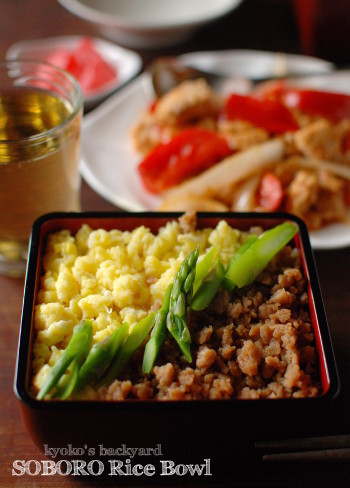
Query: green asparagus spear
[255,259]
[227,281]
[209,287]
[131,344]
[101,356]
[67,382]
[180,299]
[77,348]
[267,250]
[158,335]
[203,268]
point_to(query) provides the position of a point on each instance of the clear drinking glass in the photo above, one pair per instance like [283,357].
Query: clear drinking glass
[40,122]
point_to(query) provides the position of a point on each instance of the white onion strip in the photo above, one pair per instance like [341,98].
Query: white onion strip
[231,170]
[335,168]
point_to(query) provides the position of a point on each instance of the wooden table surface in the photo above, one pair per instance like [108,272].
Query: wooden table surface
[256,24]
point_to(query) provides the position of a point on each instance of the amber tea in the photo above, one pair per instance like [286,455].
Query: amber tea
[39,157]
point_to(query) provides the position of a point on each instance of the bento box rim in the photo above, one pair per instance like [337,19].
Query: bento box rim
[20,382]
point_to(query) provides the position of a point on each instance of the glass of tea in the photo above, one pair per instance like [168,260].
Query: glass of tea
[40,120]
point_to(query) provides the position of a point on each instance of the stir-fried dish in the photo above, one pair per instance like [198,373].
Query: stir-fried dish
[277,148]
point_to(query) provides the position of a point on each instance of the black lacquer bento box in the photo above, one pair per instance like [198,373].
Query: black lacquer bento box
[188,431]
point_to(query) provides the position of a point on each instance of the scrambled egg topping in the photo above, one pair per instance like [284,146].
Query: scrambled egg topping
[110,277]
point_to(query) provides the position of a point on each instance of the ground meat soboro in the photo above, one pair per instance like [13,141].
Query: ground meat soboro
[256,342]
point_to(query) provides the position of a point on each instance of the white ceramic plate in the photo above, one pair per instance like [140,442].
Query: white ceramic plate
[109,162]
[127,63]
[256,65]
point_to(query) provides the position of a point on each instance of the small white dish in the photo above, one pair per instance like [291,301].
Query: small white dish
[149,23]
[109,162]
[126,63]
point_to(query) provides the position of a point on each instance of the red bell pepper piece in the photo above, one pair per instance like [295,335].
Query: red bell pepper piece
[333,106]
[269,114]
[270,192]
[190,152]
